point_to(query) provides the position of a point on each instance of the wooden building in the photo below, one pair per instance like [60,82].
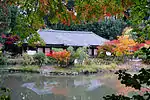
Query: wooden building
[64,39]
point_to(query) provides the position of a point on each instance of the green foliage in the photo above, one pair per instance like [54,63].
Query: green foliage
[57,49]
[51,60]
[29,68]
[40,58]
[137,81]
[16,61]
[5,16]
[144,54]
[104,61]
[3,59]
[0,52]
[73,55]
[4,93]
[108,29]
[93,67]
[25,17]
[139,19]
[101,52]
[81,54]
[27,59]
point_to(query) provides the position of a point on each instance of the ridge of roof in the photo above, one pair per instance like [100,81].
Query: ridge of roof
[64,31]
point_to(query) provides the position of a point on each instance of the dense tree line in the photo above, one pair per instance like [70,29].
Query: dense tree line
[109,28]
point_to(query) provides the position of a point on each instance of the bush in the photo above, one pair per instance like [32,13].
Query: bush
[73,55]
[15,61]
[51,60]
[3,60]
[40,58]
[5,93]
[27,59]
[144,54]
[81,54]
[65,58]
[101,52]
[62,57]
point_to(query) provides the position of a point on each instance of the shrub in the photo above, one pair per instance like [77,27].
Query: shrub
[16,61]
[5,93]
[102,50]
[81,54]
[121,47]
[3,60]
[65,58]
[40,58]
[62,57]
[51,60]
[73,55]
[27,59]
[143,51]
[144,54]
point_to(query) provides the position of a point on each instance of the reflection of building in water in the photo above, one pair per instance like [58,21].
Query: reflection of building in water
[45,90]
[48,88]
[92,84]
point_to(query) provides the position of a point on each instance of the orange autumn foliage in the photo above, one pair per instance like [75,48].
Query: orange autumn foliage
[122,46]
[62,57]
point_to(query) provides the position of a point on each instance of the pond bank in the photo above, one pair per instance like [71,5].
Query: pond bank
[56,72]
[78,70]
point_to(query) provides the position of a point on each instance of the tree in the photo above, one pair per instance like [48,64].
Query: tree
[108,29]
[123,45]
[139,10]
[140,18]
[4,18]
[27,18]
[138,81]
[30,14]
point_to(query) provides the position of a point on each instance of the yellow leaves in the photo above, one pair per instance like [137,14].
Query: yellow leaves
[124,46]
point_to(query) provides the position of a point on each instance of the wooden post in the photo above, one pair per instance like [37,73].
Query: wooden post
[22,50]
[43,49]
[50,48]
[92,51]
[36,49]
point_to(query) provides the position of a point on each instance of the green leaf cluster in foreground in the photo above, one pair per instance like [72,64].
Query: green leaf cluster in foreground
[137,81]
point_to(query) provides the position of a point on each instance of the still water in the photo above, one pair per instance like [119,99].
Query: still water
[40,87]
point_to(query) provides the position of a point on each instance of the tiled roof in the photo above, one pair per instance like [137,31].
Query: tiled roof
[71,38]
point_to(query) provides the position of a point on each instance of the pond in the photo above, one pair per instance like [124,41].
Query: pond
[39,87]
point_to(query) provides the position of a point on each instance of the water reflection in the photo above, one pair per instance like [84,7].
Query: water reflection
[38,87]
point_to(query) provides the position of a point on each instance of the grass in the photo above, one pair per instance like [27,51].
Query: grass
[90,68]
[95,67]
[26,68]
